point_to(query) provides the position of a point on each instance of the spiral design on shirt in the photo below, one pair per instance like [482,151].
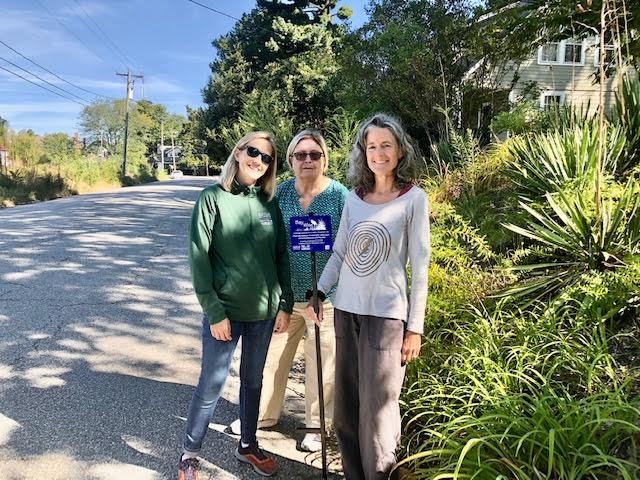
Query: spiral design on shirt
[369,246]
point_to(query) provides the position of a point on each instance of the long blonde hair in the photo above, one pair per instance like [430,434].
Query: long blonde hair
[230,167]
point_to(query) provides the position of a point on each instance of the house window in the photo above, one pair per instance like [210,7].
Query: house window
[609,53]
[551,99]
[566,52]
[548,53]
[573,53]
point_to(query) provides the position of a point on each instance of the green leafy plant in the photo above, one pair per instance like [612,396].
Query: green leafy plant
[578,237]
[627,115]
[543,163]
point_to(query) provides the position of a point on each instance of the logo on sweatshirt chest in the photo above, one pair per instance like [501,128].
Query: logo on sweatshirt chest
[265,219]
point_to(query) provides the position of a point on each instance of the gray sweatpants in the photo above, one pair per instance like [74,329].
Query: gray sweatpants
[369,377]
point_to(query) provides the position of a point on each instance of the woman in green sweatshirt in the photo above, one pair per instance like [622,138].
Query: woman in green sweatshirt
[240,272]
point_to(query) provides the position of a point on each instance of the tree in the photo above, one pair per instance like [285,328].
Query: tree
[102,123]
[280,49]
[409,58]
[4,132]
[57,147]
[516,29]
[26,148]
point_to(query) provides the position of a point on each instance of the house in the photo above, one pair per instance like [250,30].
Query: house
[564,72]
[169,153]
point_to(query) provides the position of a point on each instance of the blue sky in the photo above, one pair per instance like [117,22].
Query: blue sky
[168,40]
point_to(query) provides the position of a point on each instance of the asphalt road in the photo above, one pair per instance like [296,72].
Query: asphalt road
[100,344]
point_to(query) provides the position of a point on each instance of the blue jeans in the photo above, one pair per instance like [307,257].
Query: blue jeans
[216,359]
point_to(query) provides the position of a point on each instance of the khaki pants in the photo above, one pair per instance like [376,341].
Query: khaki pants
[282,350]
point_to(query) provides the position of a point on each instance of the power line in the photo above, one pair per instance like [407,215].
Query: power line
[82,42]
[214,10]
[41,86]
[45,81]
[52,73]
[123,56]
[234,18]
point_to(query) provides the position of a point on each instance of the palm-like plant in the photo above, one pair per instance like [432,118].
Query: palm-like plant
[579,237]
[627,115]
[546,162]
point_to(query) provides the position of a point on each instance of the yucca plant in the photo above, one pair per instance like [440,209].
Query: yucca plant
[578,237]
[546,162]
[627,115]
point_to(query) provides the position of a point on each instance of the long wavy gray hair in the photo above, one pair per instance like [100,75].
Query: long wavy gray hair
[407,171]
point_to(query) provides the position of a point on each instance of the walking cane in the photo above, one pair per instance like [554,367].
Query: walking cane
[316,308]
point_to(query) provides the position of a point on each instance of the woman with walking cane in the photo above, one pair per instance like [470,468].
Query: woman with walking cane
[240,271]
[384,227]
[309,191]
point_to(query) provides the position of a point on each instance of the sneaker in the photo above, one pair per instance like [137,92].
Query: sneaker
[262,465]
[312,442]
[188,469]
[234,426]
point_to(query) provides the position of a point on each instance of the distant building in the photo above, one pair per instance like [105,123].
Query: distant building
[169,153]
[5,162]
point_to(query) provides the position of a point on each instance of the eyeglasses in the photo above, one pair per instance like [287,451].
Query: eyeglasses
[301,156]
[253,152]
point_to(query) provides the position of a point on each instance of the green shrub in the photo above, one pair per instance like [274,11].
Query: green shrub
[535,437]
[627,115]
[31,185]
[578,235]
[547,162]
[495,385]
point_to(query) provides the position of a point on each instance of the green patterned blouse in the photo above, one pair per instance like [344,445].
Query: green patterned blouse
[328,202]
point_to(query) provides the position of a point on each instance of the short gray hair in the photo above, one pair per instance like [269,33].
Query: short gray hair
[230,167]
[407,171]
[311,134]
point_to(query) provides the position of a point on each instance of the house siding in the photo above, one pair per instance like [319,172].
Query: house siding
[576,82]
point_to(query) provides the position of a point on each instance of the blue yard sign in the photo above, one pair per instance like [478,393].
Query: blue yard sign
[311,233]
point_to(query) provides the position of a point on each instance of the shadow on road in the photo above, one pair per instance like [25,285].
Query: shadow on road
[100,340]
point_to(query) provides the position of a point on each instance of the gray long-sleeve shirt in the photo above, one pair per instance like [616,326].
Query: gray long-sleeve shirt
[370,255]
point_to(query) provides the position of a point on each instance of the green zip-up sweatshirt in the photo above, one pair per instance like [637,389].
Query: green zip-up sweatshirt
[238,255]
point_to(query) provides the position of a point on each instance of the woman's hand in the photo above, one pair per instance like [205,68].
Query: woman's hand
[411,346]
[282,322]
[317,319]
[221,330]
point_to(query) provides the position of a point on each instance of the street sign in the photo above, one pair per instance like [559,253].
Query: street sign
[311,233]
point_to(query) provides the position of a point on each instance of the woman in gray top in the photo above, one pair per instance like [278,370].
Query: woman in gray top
[384,227]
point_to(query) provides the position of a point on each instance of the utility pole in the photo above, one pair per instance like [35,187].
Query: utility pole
[173,151]
[162,144]
[129,96]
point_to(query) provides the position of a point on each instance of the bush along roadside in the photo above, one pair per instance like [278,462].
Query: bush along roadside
[69,176]
[530,364]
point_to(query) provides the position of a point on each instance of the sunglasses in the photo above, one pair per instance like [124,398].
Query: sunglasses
[253,152]
[301,156]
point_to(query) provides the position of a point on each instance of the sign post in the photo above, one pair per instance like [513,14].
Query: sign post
[312,233]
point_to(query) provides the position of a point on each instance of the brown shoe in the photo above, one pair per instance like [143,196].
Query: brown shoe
[188,469]
[262,465]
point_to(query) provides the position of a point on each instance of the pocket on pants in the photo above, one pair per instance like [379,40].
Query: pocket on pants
[384,333]
[341,323]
